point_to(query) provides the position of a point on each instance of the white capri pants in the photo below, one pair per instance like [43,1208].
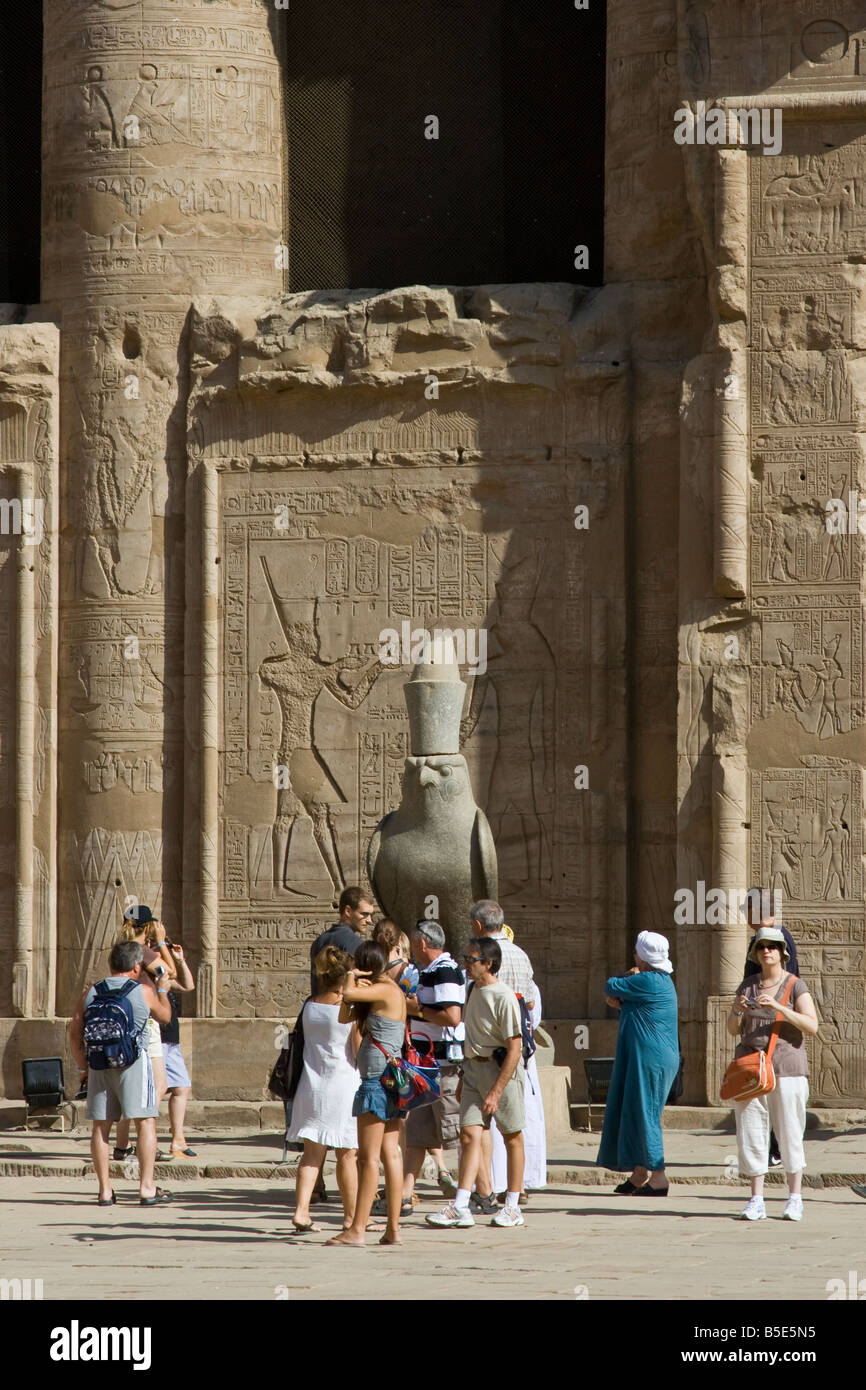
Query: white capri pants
[784,1110]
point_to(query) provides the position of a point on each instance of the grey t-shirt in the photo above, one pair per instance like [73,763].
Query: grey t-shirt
[140,1010]
[789,1054]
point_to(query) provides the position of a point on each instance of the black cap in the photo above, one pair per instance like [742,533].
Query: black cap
[141,915]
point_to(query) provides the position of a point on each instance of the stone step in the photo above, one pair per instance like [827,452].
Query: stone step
[719,1117]
[558,1176]
[201,1115]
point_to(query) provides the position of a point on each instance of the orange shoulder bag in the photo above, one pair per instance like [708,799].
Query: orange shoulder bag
[753,1074]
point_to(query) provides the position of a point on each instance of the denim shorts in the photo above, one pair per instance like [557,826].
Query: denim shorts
[372,1098]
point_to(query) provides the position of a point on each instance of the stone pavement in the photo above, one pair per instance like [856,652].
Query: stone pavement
[232,1239]
[834,1157]
[227,1237]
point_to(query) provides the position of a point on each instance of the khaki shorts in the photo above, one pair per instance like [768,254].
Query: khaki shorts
[479,1077]
[122,1093]
[437,1126]
[154,1039]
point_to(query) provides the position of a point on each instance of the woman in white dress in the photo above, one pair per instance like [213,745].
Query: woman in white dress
[322,1107]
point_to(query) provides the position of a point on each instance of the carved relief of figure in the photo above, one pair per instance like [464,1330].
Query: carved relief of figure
[230,109]
[522,778]
[296,677]
[827,676]
[99,118]
[835,558]
[786,855]
[788,686]
[153,106]
[836,837]
[816,193]
[778,550]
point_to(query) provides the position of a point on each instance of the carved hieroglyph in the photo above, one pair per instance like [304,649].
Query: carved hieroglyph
[349,502]
[162,177]
[29,417]
[787,704]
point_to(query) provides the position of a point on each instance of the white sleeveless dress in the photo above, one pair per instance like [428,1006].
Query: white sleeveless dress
[322,1107]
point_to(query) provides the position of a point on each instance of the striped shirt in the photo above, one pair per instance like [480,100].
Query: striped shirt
[440,986]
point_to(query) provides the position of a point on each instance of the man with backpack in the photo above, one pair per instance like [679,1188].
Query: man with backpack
[107,1038]
[491,1084]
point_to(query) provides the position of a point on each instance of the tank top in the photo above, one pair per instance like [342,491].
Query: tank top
[390,1033]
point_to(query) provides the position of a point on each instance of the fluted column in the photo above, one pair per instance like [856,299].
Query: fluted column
[162,181]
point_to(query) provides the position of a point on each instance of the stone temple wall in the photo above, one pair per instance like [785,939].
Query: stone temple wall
[299,473]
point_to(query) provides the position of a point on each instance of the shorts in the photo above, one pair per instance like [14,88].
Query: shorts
[122,1093]
[154,1038]
[479,1076]
[371,1098]
[437,1126]
[176,1073]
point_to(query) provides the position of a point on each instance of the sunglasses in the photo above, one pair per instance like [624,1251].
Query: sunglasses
[769,946]
[472,960]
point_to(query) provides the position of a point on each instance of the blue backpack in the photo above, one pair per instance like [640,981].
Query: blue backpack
[111,1034]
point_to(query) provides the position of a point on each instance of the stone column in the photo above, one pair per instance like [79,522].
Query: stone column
[162,181]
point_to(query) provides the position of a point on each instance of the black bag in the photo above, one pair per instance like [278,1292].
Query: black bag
[288,1067]
[677,1088]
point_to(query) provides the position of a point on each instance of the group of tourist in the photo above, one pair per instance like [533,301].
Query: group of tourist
[373,992]
[367,997]
[131,1016]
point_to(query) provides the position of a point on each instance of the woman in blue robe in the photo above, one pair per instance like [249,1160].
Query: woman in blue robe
[647,1062]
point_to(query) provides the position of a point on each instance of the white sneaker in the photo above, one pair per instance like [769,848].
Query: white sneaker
[508,1216]
[793,1208]
[451,1216]
[754,1210]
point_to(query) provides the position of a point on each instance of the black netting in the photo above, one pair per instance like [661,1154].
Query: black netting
[512,184]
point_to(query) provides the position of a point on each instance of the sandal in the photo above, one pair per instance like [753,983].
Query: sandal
[107,1201]
[120,1154]
[175,1152]
[407,1206]
[159,1196]
[303,1226]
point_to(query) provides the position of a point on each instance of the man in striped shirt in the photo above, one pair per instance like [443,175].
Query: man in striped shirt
[435,1012]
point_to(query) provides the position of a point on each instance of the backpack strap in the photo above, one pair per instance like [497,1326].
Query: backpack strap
[777,1024]
[124,989]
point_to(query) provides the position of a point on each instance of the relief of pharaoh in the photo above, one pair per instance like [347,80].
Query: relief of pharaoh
[307,790]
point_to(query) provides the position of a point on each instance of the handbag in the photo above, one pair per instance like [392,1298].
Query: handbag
[289,1065]
[413,1079]
[753,1074]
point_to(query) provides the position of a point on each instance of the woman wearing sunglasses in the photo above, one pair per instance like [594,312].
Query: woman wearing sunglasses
[751,1019]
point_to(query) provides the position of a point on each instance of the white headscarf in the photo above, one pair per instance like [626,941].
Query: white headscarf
[653,948]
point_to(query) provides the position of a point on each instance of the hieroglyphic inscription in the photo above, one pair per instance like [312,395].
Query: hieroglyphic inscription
[314,727]
[807,833]
[808,659]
